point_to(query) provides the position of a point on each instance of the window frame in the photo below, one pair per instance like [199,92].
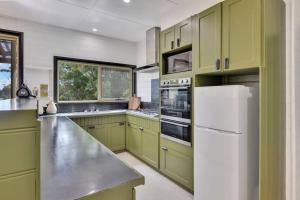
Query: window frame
[101,65]
[18,78]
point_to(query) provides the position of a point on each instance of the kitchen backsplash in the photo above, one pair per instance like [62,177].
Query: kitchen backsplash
[80,107]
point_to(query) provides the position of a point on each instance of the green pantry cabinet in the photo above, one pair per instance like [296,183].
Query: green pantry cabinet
[227,37]
[142,139]
[177,36]
[19,155]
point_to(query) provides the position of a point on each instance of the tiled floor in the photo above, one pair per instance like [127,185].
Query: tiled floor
[157,187]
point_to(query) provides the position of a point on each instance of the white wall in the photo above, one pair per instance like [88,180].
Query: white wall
[141,53]
[42,42]
[144,85]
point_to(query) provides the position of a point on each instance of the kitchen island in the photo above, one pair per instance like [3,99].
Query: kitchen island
[62,162]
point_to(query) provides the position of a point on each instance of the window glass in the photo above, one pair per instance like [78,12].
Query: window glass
[77,81]
[84,81]
[5,69]
[116,83]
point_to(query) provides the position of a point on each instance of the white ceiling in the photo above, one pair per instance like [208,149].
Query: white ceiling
[112,18]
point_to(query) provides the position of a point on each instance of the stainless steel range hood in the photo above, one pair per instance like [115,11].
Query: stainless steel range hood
[152,51]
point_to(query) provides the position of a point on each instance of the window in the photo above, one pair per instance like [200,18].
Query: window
[115,83]
[86,81]
[11,63]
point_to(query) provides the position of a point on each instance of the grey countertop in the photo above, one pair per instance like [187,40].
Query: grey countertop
[107,112]
[18,104]
[74,164]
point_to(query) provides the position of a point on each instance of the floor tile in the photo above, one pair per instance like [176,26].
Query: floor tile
[157,187]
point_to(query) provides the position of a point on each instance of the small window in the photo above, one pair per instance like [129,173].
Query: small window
[83,81]
[115,83]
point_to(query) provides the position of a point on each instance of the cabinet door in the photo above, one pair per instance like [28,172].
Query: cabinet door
[116,136]
[167,40]
[149,150]
[183,33]
[18,188]
[177,166]
[99,132]
[133,139]
[241,34]
[207,41]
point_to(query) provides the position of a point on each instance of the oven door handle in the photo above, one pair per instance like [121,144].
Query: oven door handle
[174,123]
[175,88]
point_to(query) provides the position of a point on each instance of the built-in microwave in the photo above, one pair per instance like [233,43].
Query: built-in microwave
[179,62]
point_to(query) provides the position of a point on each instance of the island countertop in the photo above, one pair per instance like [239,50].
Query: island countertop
[75,165]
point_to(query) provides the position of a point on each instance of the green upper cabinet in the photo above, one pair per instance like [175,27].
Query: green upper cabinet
[207,39]
[183,33]
[167,40]
[241,34]
[178,36]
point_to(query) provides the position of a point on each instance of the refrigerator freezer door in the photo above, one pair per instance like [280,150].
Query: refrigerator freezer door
[219,163]
[222,107]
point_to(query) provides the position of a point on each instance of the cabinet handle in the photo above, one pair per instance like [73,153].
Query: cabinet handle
[141,128]
[128,124]
[91,127]
[172,45]
[178,42]
[226,63]
[121,124]
[164,148]
[218,64]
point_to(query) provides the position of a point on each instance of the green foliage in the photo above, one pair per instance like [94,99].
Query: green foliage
[115,83]
[5,93]
[77,81]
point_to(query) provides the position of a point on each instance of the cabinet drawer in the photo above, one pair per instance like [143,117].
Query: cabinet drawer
[104,120]
[17,150]
[18,188]
[149,124]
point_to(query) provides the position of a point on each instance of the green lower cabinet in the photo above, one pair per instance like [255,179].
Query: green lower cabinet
[176,161]
[133,139]
[98,132]
[20,187]
[111,135]
[149,145]
[143,139]
[116,136]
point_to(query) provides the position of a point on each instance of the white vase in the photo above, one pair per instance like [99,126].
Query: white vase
[51,108]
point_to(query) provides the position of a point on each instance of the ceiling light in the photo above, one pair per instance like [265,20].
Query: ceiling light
[95,30]
[126,1]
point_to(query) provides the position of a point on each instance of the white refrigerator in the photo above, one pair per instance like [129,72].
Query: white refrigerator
[226,143]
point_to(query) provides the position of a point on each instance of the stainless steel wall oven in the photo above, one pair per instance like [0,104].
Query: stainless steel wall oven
[176,101]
